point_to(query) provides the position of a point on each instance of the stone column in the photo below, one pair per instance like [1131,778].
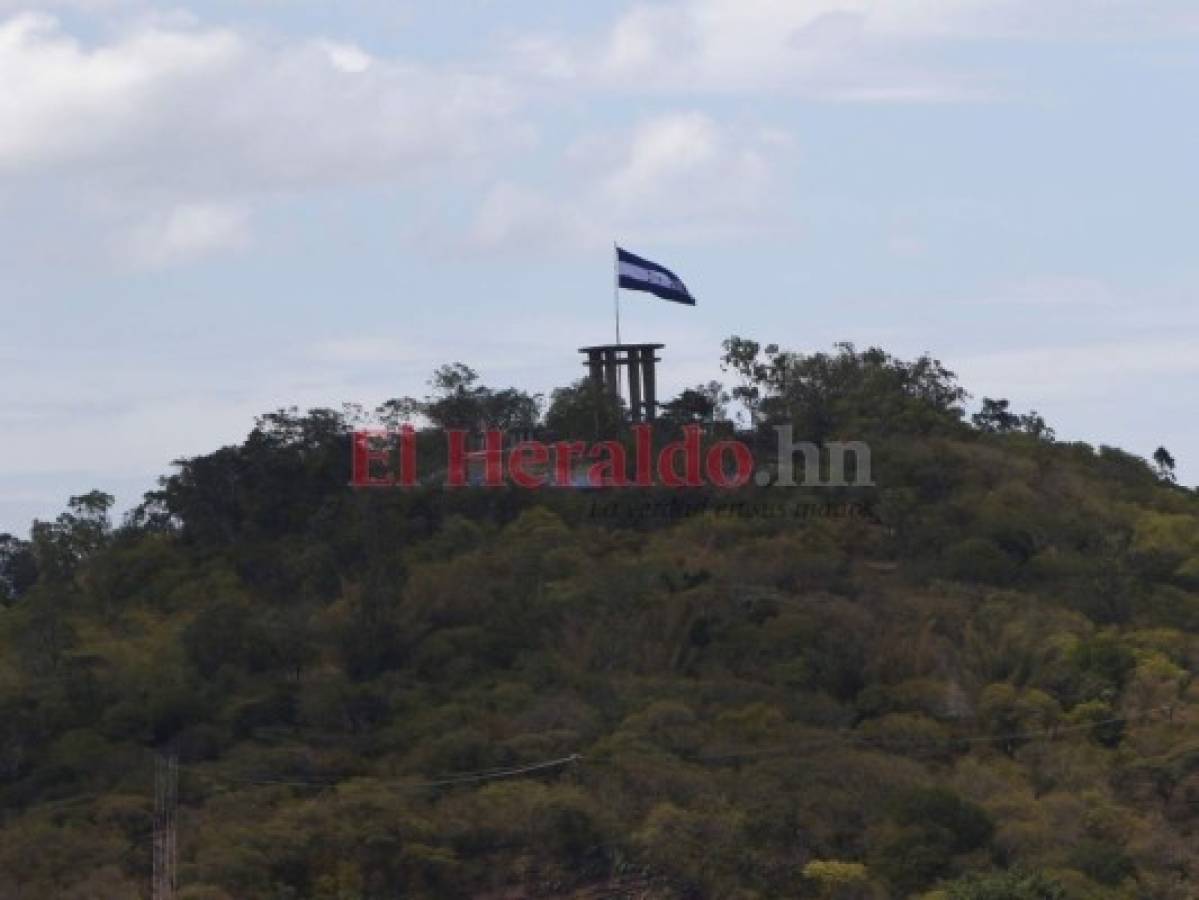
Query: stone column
[651,390]
[611,379]
[595,367]
[634,364]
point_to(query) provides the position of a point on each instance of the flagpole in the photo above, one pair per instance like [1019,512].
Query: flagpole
[616,287]
[616,299]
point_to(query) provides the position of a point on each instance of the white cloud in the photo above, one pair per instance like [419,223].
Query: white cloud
[186,233]
[680,175]
[514,215]
[180,128]
[63,103]
[84,6]
[347,57]
[845,49]
[176,103]
[663,150]
[852,50]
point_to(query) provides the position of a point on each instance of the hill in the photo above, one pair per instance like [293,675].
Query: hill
[979,687]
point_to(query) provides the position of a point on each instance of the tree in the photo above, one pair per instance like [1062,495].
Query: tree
[1032,423]
[1102,861]
[835,880]
[845,391]
[935,824]
[702,404]
[967,824]
[400,410]
[1165,464]
[458,400]
[995,417]
[743,357]
[980,559]
[1013,885]
[60,546]
[584,410]
[18,568]
[226,633]
[437,693]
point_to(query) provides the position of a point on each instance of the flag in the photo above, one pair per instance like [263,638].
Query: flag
[637,274]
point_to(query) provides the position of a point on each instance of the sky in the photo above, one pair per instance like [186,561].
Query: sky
[213,210]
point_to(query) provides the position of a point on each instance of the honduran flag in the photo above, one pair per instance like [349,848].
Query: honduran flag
[637,274]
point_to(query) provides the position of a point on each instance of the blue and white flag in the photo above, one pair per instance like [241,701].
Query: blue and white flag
[637,274]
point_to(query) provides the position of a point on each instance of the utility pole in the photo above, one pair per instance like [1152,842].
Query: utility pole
[166,799]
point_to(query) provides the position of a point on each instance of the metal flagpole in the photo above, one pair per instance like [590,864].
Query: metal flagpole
[616,286]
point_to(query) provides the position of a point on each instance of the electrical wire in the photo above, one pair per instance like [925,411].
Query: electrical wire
[483,775]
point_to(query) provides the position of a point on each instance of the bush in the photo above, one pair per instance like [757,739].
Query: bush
[937,807]
[1102,861]
[980,559]
[1014,885]
[835,880]
[914,858]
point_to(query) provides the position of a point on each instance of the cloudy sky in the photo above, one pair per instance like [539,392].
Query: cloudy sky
[211,210]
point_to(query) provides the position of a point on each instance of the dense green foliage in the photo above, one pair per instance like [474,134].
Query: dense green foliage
[981,690]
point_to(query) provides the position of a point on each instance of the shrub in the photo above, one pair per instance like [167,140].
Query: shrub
[980,559]
[1014,885]
[1102,861]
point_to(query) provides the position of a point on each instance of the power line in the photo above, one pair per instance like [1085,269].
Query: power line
[166,776]
[460,778]
[939,746]
[840,738]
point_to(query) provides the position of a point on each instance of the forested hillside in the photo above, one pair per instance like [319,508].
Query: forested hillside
[978,686]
